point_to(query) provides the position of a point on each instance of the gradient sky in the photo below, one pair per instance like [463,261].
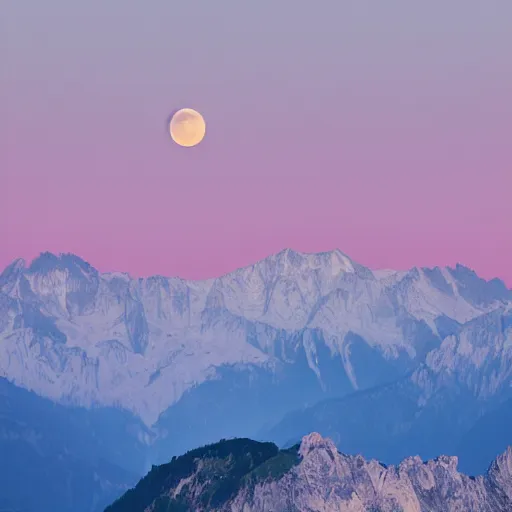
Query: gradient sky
[383,129]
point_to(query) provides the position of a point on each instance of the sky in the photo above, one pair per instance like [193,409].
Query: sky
[383,129]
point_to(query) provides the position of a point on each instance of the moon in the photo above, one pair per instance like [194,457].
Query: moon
[187,127]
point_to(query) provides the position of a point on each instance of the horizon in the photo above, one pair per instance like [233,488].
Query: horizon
[27,262]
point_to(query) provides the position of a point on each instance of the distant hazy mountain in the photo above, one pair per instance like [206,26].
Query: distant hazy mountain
[458,402]
[245,476]
[59,459]
[195,361]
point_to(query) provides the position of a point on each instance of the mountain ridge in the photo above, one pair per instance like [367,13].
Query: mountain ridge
[23,263]
[241,475]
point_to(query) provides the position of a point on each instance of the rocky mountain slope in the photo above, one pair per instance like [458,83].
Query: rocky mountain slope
[245,476]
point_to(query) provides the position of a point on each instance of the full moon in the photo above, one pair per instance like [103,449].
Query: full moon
[187,127]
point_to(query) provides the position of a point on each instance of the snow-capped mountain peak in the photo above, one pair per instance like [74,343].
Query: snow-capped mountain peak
[74,334]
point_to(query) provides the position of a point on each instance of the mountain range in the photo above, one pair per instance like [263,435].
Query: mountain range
[241,475]
[387,363]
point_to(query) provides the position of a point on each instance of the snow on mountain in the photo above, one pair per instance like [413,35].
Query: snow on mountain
[73,334]
[478,356]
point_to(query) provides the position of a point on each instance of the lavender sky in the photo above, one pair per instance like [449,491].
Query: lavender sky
[383,129]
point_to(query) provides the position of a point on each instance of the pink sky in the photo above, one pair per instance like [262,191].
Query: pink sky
[381,130]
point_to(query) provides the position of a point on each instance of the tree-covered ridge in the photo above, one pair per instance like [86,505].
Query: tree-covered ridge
[208,476]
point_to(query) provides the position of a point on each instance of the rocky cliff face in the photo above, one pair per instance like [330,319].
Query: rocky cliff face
[243,476]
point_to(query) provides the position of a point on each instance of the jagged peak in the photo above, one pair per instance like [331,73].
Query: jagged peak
[288,252]
[461,266]
[315,441]
[461,270]
[502,463]
[447,461]
[44,260]
[19,264]
[408,462]
[12,272]
[290,260]
[48,261]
